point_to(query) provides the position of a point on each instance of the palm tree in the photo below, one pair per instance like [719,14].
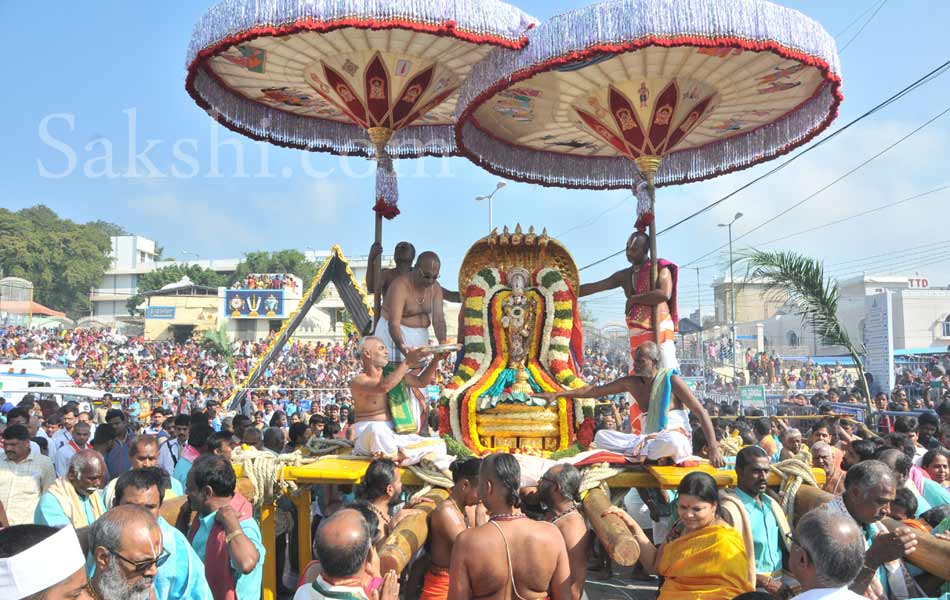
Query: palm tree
[815,297]
[216,342]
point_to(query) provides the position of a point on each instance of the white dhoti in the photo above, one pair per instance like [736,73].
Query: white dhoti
[665,444]
[412,337]
[379,438]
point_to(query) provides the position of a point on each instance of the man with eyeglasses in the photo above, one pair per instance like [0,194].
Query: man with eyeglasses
[412,304]
[181,575]
[126,545]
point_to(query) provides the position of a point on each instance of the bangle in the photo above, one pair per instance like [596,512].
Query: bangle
[233,535]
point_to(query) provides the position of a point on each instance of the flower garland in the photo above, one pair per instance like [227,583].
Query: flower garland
[485,351]
[484,284]
[556,347]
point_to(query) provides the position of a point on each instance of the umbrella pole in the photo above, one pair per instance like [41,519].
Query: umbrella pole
[654,261]
[648,166]
[377,268]
[379,136]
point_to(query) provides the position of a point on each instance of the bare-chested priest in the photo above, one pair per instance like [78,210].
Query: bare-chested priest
[559,490]
[667,402]
[447,522]
[374,433]
[635,282]
[403,256]
[511,557]
[412,303]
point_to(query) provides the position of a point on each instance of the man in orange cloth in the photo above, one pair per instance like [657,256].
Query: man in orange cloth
[641,299]
[635,282]
[446,522]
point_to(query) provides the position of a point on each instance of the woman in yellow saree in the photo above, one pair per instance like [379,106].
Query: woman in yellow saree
[704,558]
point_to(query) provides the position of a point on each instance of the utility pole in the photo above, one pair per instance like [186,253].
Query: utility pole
[732,293]
[702,352]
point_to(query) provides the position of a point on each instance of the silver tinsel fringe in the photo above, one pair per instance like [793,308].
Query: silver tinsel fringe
[480,17]
[619,21]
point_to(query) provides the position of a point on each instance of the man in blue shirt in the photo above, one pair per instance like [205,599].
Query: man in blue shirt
[182,575]
[224,533]
[765,522]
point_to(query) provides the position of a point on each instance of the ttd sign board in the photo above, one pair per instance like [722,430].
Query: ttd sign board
[752,396]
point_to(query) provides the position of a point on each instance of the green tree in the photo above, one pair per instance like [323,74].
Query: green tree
[282,261]
[217,343]
[110,229]
[173,274]
[814,296]
[63,259]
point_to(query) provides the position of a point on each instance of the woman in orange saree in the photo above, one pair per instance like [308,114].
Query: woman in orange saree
[704,558]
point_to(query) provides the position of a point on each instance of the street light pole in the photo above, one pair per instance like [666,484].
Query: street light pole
[491,197]
[702,351]
[732,294]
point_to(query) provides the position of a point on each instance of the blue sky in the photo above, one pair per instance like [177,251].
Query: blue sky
[101,62]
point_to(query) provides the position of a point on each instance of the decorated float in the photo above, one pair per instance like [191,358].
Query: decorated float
[625,94]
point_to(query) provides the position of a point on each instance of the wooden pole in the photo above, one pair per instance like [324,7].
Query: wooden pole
[654,261]
[648,166]
[377,268]
[932,554]
[809,498]
[409,535]
[611,531]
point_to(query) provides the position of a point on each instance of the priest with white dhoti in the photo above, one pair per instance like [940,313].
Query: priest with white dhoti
[377,429]
[412,304]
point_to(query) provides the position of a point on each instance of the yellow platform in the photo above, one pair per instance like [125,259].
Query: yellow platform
[335,470]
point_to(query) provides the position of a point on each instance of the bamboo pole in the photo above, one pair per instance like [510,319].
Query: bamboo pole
[932,554]
[409,535]
[611,531]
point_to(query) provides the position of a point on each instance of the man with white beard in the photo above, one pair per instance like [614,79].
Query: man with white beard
[126,545]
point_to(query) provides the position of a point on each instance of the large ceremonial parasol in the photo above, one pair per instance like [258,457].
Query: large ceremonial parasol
[374,78]
[670,90]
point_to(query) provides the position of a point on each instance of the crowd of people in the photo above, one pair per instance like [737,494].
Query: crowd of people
[267,281]
[103,474]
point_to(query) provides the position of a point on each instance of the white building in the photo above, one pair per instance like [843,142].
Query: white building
[920,318]
[134,256]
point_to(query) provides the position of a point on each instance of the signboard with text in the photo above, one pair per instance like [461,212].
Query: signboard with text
[254,304]
[879,339]
[752,396]
[160,312]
